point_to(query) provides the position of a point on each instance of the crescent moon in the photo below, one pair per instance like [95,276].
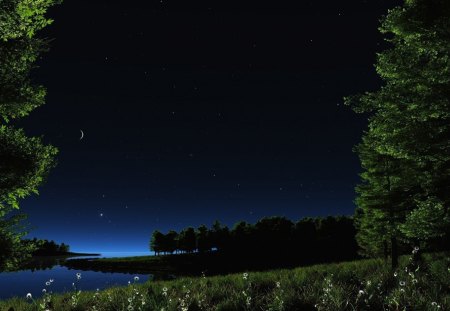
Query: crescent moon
[82,134]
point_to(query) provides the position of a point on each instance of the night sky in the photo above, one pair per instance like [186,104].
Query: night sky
[194,111]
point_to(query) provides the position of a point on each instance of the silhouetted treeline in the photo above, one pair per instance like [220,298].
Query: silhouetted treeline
[275,238]
[48,248]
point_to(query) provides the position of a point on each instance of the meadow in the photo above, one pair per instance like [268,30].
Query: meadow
[356,285]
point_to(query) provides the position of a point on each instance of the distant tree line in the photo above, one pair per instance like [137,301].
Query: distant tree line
[309,239]
[46,248]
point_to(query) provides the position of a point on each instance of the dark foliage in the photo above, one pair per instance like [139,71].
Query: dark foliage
[404,195]
[270,241]
[24,161]
[47,248]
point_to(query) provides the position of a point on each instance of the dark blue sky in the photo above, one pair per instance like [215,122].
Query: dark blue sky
[196,111]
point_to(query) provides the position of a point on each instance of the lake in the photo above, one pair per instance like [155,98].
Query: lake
[34,280]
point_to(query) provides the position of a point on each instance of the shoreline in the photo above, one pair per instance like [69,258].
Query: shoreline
[214,263]
[300,288]
[66,254]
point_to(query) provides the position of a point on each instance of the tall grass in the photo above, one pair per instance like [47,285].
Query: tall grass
[359,285]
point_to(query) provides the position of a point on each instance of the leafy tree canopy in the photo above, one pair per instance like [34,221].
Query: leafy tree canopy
[24,161]
[405,152]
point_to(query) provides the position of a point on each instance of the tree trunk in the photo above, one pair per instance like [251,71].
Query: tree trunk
[394,253]
[416,256]
[394,248]
[386,250]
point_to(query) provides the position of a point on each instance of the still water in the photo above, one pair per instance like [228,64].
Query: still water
[34,280]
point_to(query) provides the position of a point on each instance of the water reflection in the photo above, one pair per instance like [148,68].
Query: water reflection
[22,282]
[43,263]
[49,262]
[32,277]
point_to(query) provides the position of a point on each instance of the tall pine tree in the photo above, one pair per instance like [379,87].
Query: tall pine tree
[385,197]
[409,126]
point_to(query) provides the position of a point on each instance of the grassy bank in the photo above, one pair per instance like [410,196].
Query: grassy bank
[358,285]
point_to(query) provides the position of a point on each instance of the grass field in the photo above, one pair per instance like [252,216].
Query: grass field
[357,285]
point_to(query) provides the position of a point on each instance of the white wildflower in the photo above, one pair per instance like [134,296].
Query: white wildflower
[249,299]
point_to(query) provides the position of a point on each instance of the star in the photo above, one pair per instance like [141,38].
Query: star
[101,214]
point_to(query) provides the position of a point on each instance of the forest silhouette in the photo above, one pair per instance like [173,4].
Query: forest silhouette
[270,240]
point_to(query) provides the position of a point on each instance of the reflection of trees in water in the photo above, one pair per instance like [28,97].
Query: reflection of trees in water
[43,263]
[36,263]
[48,262]
[82,265]
[87,265]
